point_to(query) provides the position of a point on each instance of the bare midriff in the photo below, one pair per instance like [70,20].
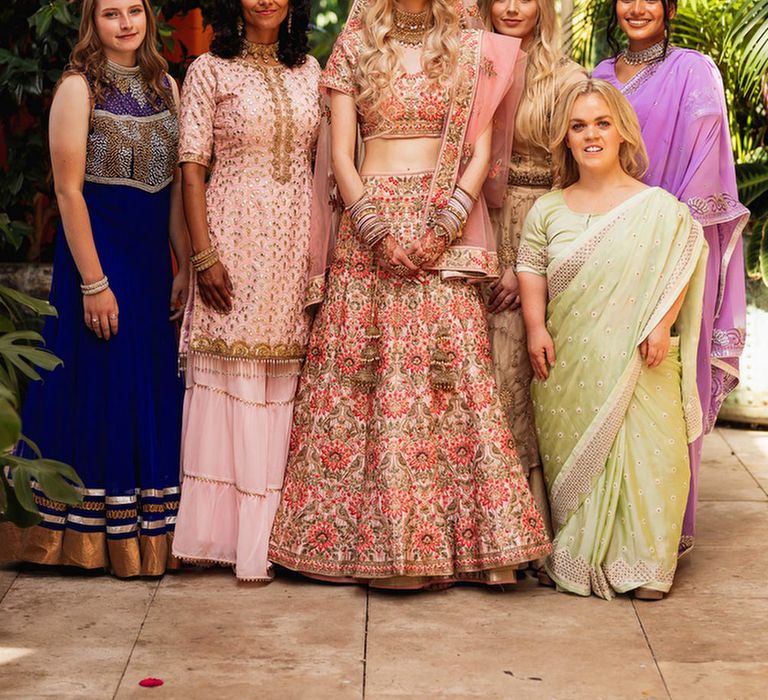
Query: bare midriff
[400,155]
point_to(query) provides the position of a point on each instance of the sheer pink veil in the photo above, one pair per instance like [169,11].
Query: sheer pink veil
[497,71]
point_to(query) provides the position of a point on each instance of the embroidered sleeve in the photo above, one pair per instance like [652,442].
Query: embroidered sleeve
[339,73]
[198,107]
[532,255]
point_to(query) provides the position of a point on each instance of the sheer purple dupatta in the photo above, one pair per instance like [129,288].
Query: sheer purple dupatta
[680,103]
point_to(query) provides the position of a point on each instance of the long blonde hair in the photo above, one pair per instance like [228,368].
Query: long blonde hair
[88,57]
[545,55]
[378,61]
[632,154]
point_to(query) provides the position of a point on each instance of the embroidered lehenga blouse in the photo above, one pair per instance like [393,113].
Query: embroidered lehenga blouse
[255,127]
[406,481]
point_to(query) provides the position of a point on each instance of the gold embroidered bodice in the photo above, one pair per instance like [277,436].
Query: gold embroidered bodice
[133,140]
[416,108]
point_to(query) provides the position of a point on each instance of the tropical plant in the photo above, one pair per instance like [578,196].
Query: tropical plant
[21,355]
[735,35]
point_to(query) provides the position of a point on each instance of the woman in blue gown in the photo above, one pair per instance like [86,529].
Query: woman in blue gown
[113,410]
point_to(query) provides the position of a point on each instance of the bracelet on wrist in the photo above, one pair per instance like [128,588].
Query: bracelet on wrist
[95,287]
[204,259]
[366,221]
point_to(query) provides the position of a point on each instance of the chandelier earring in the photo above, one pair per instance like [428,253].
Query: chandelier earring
[240,27]
[290,19]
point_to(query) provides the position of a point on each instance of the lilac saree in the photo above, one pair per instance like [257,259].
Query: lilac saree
[680,104]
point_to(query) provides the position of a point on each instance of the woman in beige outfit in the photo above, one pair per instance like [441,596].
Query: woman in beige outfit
[548,73]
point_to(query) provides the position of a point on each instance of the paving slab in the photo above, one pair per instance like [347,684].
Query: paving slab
[704,629]
[211,637]
[532,642]
[751,447]
[8,573]
[727,572]
[725,524]
[723,477]
[67,636]
[715,679]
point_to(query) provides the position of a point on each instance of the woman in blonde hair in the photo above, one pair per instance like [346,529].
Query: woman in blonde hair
[113,411]
[611,278]
[402,472]
[548,73]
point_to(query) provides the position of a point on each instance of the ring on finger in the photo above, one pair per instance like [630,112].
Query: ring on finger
[113,317]
[94,321]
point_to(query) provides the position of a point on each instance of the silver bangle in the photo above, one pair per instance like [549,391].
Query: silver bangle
[95,287]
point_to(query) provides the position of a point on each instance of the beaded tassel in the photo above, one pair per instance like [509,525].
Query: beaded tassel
[365,377]
[440,375]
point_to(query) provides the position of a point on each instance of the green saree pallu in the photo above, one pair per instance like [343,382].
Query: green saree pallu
[613,433]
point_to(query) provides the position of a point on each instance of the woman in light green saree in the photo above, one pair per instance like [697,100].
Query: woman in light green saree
[611,278]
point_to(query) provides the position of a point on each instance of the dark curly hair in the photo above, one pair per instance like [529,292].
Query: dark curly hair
[613,25]
[229,38]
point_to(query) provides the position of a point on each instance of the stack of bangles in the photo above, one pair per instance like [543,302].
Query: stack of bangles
[450,221]
[95,287]
[365,219]
[204,259]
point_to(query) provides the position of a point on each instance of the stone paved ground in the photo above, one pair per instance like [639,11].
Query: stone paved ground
[208,637]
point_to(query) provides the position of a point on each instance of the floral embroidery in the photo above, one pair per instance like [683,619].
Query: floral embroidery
[415,481]
[486,65]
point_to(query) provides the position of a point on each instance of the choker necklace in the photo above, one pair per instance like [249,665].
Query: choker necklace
[409,27]
[636,58]
[263,54]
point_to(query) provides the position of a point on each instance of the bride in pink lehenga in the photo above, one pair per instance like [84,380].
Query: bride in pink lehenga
[402,472]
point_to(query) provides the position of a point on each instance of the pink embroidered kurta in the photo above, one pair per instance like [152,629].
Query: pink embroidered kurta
[255,127]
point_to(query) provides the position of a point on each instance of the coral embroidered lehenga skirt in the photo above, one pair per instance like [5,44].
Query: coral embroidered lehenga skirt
[613,432]
[402,483]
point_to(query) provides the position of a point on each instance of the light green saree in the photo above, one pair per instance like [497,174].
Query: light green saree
[613,433]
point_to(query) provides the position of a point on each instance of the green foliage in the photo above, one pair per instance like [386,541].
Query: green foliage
[328,18]
[735,35]
[22,354]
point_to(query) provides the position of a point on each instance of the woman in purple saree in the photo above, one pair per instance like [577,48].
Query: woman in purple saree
[680,103]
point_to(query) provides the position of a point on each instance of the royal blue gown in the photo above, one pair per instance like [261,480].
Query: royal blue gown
[113,410]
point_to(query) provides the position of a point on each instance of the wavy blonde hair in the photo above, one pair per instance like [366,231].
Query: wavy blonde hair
[545,55]
[87,57]
[378,60]
[632,154]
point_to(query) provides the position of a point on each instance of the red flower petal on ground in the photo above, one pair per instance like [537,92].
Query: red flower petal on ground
[150,682]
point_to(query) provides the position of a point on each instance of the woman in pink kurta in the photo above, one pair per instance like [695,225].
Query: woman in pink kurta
[249,115]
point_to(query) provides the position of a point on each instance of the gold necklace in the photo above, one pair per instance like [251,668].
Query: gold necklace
[409,27]
[264,54]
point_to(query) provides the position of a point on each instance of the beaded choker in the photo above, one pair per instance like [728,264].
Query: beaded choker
[636,58]
[409,27]
[264,54]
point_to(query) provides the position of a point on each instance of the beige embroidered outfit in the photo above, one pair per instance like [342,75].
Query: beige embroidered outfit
[530,176]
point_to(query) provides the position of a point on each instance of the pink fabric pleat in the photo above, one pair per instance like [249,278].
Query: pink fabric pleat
[235,438]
